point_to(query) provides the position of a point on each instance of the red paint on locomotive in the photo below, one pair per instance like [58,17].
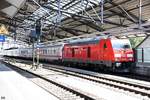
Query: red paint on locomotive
[102,51]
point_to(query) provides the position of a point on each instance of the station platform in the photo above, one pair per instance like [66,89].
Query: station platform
[13,86]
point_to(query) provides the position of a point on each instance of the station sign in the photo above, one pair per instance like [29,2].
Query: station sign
[2,38]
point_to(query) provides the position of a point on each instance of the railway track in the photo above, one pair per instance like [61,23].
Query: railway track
[60,91]
[137,88]
[125,84]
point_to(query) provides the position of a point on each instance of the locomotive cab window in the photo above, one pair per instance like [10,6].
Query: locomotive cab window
[121,44]
[126,46]
[105,46]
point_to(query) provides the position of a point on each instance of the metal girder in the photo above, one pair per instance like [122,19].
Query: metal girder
[61,36]
[102,10]
[29,18]
[57,35]
[113,23]
[8,23]
[86,23]
[73,25]
[76,25]
[90,24]
[119,14]
[123,9]
[84,20]
[106,21]
[12,22]
[69,31]
[17,19]
[95,6]
[93,25]
[76,30]
[109,22]
[44,36]
[147,4]
[135,8]
[68,4]
[24,13]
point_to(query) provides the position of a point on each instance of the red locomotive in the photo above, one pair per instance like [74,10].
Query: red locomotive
[113,53]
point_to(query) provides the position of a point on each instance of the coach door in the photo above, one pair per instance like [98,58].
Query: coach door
[73,52]
[105,50]
[103,47]
[88,52]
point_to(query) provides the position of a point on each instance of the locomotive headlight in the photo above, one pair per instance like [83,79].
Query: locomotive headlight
[117,55]
[129,55]
[130,59]
[116,59]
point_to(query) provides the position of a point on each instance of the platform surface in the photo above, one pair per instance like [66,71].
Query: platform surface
[99,91]
[13,86]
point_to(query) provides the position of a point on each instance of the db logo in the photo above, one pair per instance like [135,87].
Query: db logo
[2,97]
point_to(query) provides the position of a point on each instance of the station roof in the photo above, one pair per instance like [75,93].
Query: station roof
[76,18]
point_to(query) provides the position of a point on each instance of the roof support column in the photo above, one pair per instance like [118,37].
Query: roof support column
[101,10]
[58,20]
[140,13]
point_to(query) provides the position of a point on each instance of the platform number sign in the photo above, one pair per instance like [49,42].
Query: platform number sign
[2,38]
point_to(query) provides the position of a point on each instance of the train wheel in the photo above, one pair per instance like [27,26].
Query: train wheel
[96,68]
[113,68]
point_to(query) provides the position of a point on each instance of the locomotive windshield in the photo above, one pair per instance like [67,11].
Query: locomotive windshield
[126,46]
[121,44]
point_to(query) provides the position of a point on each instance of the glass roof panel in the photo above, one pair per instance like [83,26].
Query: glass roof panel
[67,8]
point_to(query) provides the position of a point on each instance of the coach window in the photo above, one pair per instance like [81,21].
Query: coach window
[43,51]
